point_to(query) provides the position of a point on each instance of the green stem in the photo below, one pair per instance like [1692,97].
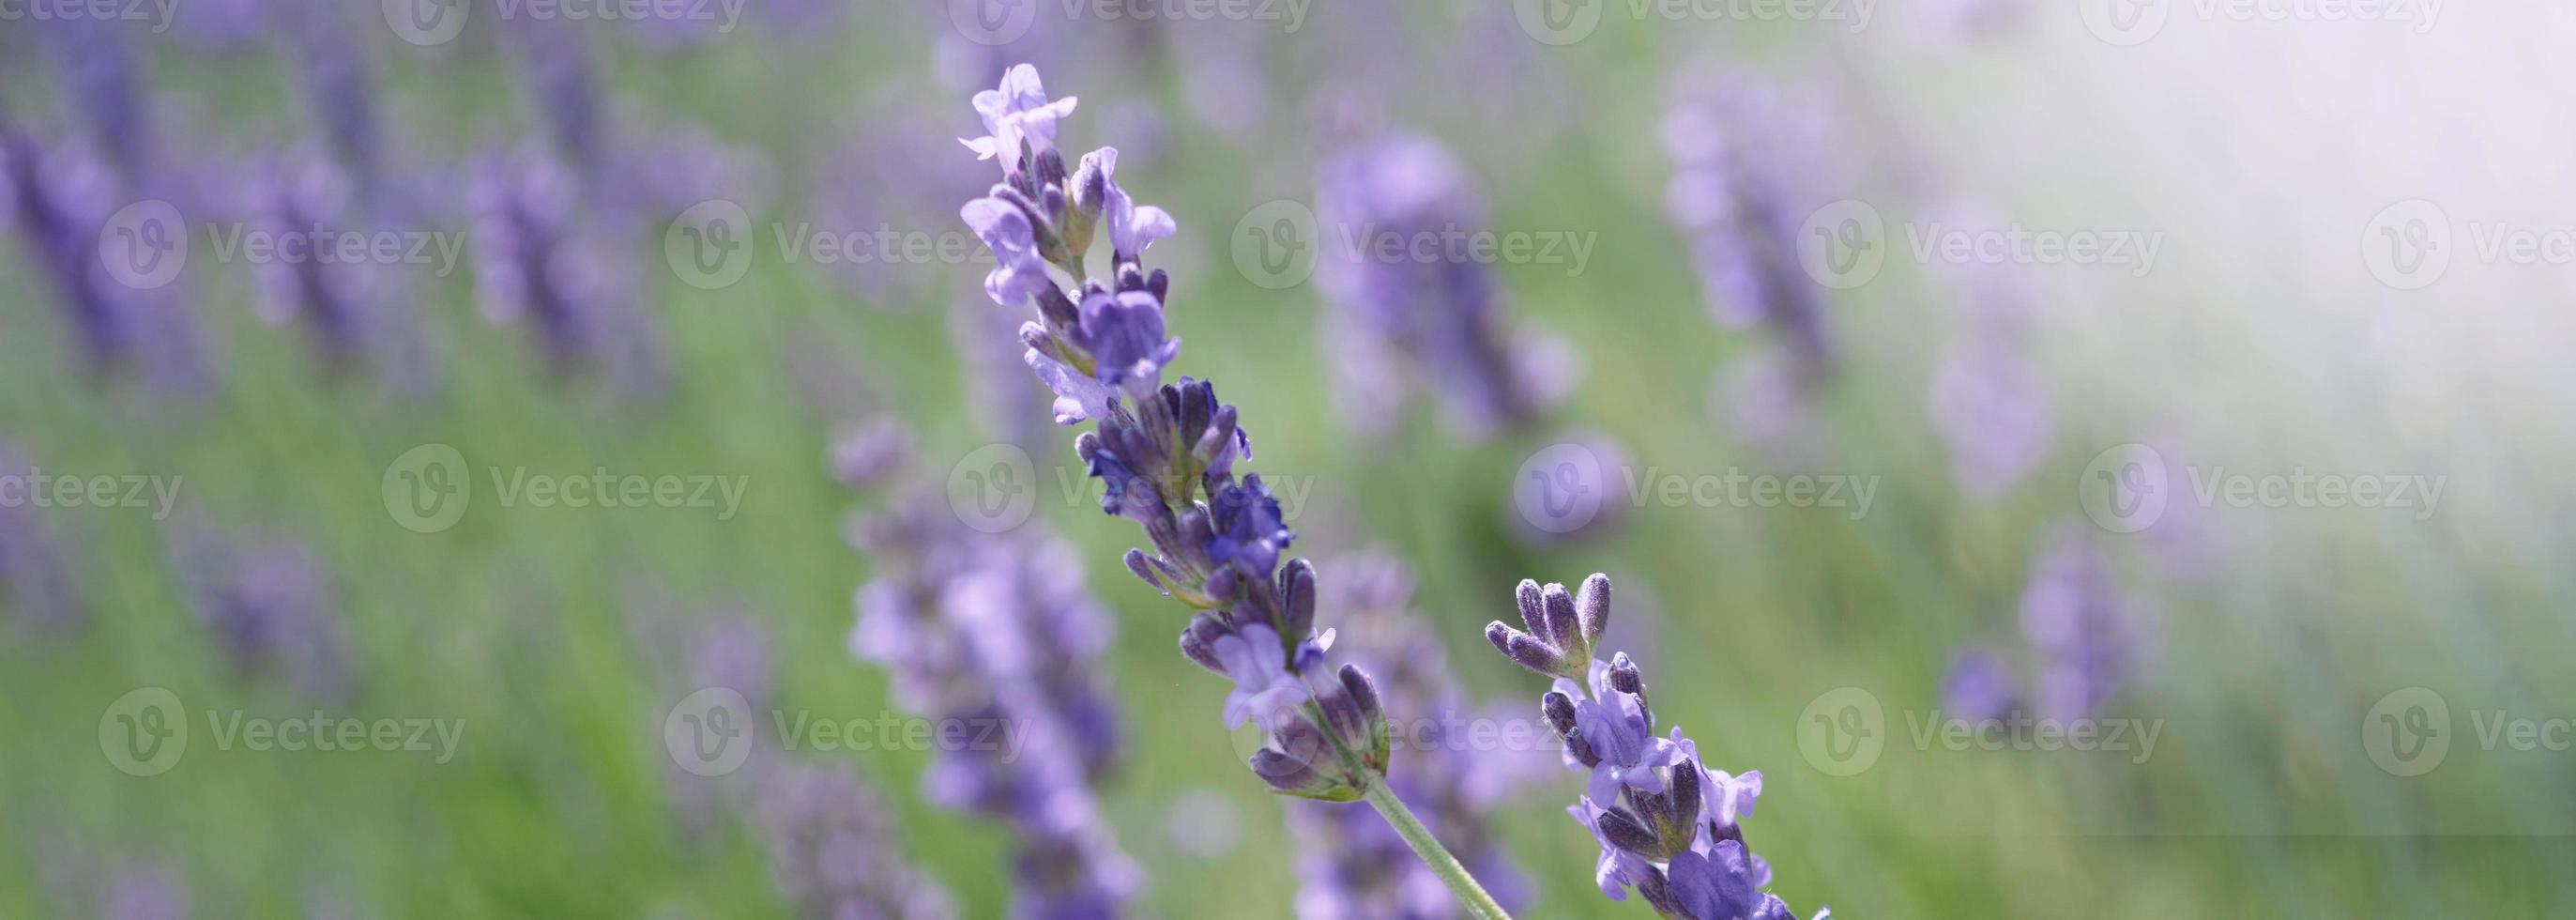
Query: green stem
[1460,883]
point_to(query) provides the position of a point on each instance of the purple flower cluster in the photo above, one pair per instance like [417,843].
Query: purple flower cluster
[2080,632]
[1439,320]
[999,629]
[1666,823]
[1739,194]
[1352,864]
[62,198]
[1166,452]
[537,262]
[835,851]
[268,605]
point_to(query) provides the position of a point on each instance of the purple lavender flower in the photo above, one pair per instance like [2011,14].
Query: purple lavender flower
[1442,315]
[1666,824]
[834,852]
[268,605]
[1015,114]
[1987,399]
[1980,686]
[1743,158]
[998,629]
[872,453]
[536,262]
[2077,621]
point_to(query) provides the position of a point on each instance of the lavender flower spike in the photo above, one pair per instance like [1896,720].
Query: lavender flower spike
[1166,454]
[1666,824]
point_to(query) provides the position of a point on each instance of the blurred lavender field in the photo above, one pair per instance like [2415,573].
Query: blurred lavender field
[555,458]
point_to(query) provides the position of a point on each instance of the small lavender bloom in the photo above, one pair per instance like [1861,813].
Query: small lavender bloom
[1444,316]
[1990,408]
[833,850]
[34,580]
[342,306]
[2077,622]
[1980,686]
[872,453]
[1006,230]
[1018,112]
[105,80]
[143,891]
[1666,824]
[63,198]
[1264,691]
[269,608]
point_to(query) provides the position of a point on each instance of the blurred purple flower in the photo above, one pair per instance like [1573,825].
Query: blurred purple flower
[34,579]
[269,607]
[834,850]
[2078,623]
[1443,315]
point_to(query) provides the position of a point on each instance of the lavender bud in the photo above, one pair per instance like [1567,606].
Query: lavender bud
[1199,651]
[1363,690]
[1050,168]
[1659,894]
[1301,739]
[1058,310]
[1159,285]
[1297,597]
[1592,607]
[1525,650]
[1285,773]
[1036,338]
[1559,710]
[1562,631]
[1684,798]
[1222,584]
[1624,831]
[1140,564]
[1533,613]
[1624,676]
